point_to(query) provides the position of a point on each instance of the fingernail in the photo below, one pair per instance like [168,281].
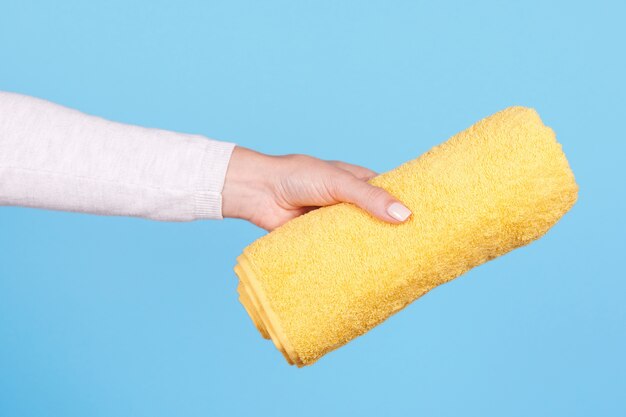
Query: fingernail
[399,211]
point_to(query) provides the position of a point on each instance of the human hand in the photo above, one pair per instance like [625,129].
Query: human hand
[271,190]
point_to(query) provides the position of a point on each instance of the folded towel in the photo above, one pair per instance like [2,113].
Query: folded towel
[326,277]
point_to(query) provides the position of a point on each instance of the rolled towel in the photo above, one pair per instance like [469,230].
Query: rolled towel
[328,276]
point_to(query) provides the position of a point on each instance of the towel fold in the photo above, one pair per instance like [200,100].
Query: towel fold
[328,276]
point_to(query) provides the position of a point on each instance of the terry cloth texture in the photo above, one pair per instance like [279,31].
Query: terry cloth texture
[331,275]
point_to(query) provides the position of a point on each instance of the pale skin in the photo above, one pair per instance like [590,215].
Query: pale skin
[270,190]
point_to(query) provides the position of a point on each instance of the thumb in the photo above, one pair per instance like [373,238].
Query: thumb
[375,200]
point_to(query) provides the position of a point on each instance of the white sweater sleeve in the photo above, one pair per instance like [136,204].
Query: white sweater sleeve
[57,158]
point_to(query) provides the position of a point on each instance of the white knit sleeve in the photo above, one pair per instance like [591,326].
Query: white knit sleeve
[53,157]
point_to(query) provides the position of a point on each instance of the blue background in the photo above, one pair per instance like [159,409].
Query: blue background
[127,317]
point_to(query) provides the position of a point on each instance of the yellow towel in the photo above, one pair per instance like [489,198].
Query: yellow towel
[331,275]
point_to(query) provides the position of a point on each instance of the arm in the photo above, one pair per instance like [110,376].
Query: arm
[58,158]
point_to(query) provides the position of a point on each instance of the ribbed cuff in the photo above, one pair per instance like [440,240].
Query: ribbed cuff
[208,195]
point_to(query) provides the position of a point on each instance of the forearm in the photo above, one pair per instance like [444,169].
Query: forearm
[57,158]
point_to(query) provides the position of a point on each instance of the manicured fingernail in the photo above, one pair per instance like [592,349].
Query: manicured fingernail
[399,211]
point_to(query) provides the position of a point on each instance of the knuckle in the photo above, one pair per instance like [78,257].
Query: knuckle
[335,185]
[374,195]
[299,158]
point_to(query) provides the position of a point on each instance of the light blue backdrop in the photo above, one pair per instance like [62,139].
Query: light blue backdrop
[127,317]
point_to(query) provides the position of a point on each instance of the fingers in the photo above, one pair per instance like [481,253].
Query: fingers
[375,200]
[356,170]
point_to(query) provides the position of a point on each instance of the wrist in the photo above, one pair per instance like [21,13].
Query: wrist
[247,184]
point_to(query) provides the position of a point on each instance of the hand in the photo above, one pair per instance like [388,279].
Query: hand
[271,190]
